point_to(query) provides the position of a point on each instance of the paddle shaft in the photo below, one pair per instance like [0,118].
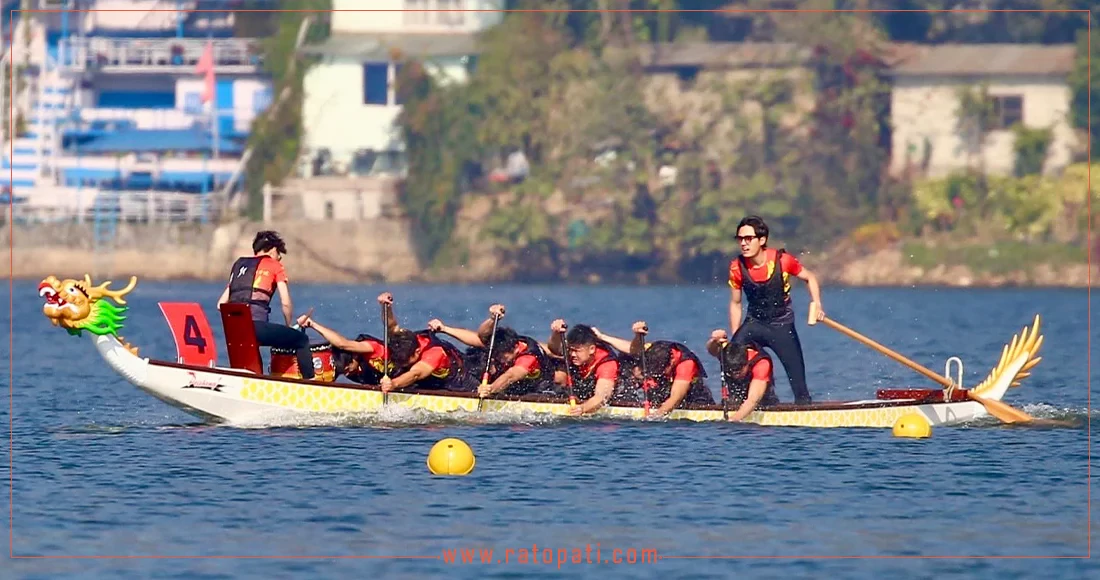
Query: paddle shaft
[488,361]
[385,351]
[725,388]
[568,375]
[645,381]
[946,382]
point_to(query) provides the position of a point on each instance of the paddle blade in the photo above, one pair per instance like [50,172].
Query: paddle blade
[1003,411]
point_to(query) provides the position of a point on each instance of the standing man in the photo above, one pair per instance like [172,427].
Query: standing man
[763,274]
[253,280]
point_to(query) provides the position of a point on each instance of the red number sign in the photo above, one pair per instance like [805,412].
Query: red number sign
[191,331]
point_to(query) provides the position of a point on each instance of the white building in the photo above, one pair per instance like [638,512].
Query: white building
[350,103]
[110,100]
[1027,83]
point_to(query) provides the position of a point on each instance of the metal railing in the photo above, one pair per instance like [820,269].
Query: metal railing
[158,119]
[132,207]
[84,53]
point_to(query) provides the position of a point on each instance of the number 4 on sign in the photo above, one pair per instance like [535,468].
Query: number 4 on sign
[191,332]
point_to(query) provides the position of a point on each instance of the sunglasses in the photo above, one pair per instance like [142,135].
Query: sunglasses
[746,238]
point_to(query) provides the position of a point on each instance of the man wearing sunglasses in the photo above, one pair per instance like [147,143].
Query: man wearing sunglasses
[253,281]
[763,275]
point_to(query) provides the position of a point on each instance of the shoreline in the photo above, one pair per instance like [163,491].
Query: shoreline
[379,252]
[122,276]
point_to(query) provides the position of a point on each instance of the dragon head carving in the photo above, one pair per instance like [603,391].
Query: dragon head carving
[77,305]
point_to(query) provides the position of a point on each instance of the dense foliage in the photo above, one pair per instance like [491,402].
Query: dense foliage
[275,137]
[567,90]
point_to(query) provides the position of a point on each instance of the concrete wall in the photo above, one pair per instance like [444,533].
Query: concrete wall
[370,250]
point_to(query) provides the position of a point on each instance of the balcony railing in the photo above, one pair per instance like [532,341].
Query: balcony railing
[89,205]
[230,54]
[156,119]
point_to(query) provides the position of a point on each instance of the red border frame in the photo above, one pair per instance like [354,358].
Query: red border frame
[11,305]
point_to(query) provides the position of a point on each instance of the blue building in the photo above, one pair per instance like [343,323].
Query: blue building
[111,101]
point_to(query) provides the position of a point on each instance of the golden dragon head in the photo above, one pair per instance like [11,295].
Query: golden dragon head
[76,305]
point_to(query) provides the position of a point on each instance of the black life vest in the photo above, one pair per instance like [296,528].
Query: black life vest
[456,373]
[585,387]
[662,389]
[242,277]
[739,386]
[768,300]
[535,381]
[371,370]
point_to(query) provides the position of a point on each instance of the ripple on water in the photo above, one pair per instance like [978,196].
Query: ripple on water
[100,468]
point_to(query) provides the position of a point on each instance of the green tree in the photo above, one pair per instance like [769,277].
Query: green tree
[275,136]
[438,129]
[1079,80]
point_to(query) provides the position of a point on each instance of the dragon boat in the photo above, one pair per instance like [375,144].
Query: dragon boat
[243,392]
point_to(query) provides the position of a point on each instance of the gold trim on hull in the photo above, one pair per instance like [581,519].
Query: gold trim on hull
[331,399]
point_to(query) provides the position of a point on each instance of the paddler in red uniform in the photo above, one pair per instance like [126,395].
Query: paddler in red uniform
[363,360]
[749,382]
[429,363]
[673,374]
[770,319]
[518,364]
[416,359]
[253,280]
[594,369]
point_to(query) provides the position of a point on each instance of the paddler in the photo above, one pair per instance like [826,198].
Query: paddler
[253,280]
[746,372]
[363,360]
[669,373]
[770,319]
[518,365]
[428,363]
[593,366]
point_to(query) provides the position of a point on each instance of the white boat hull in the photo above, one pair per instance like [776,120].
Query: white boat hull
[235,396]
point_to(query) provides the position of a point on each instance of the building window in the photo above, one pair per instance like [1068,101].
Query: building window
[1007,111]
[451,13]
[376,83]
[413,14]
[686,76]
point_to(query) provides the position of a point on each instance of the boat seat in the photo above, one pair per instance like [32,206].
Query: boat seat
[240,338]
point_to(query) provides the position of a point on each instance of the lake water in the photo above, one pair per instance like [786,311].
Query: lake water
[101,469]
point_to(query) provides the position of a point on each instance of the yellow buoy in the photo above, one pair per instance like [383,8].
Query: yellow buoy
[451,456]
[912,425]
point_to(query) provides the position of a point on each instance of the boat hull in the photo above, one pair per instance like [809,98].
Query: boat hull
[236,396]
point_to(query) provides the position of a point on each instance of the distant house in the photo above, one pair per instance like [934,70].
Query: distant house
[1027,84]
[350,99]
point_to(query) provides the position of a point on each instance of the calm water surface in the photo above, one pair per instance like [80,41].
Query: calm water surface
[101,469]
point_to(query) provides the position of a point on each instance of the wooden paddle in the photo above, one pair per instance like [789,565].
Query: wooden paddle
[488,361]
[568,375]
[998,409]
[725,387]
[645,380]
[386,352]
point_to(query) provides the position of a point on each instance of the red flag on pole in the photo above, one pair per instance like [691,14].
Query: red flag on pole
[205,66]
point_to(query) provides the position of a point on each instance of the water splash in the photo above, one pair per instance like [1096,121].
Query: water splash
[394,416]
